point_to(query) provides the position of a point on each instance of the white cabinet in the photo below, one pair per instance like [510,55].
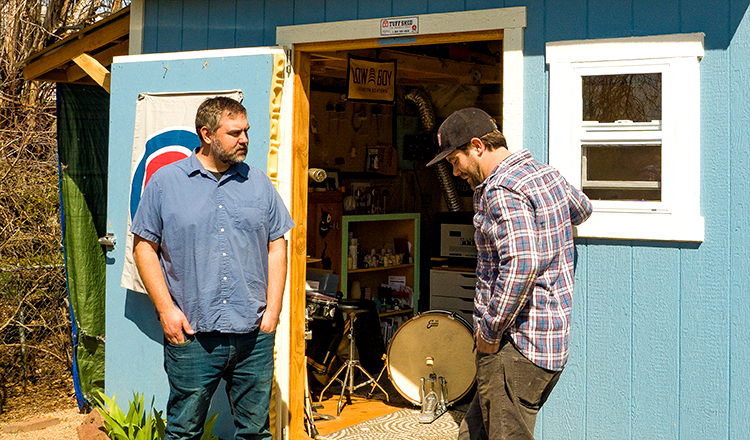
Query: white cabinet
[453,290]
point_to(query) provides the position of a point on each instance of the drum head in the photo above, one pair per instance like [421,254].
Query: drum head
[442,336]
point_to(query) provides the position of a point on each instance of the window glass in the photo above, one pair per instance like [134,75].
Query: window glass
[622,172]
[630,97]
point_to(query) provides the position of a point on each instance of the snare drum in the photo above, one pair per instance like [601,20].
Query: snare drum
[320,306]
[445,339]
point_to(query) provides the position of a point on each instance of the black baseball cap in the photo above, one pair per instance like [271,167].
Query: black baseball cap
[460,128]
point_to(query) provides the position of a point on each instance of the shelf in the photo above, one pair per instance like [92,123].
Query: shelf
[376,231]
[397,313]
[379,268]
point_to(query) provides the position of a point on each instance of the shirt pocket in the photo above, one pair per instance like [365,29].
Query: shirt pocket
[248,218]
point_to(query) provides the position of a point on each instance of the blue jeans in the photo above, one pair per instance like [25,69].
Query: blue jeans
[194,368]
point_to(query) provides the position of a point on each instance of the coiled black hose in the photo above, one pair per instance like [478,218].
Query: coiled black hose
[442,169]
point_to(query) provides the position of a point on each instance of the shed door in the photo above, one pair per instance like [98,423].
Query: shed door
[134,339]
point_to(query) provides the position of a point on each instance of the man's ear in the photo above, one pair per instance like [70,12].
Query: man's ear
[478,146]
[205,135]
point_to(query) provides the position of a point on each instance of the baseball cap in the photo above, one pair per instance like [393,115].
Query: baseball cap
[460,128]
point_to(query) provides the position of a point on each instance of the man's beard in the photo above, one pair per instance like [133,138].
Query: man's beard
[230,158]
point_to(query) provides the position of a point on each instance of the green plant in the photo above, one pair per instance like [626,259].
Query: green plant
[137,424]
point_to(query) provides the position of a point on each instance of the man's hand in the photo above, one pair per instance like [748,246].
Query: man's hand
[268,322]
[175,325]
[484,346]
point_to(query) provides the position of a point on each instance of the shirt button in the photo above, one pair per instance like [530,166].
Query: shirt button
[222,229]
[224,254]
[225,278]
[224,302]
[220,206]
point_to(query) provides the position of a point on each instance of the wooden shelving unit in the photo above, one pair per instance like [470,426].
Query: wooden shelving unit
[378,231]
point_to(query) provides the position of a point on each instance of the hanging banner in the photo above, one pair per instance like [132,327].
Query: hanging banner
[371,80]
[164,133]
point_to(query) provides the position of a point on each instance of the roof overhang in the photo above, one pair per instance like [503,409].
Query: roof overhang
[84,57]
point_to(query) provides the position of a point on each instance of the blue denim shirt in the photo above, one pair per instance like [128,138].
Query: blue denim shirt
[213,240]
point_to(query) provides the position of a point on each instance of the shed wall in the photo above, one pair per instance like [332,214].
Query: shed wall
[660,337]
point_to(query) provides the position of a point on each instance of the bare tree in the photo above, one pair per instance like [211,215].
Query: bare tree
[35,329]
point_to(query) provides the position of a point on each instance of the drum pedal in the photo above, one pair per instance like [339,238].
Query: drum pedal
[433,402]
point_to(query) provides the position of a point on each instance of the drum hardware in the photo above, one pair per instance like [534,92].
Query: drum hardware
[445,343]
[347,384]
[433,402]
[320,306]
[377,380]
[310,414]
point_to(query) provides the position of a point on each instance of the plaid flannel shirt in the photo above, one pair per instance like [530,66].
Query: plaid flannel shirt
[524,212]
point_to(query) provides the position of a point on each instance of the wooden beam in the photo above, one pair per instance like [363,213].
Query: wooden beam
[298,260]
[457,37]
[75,73]
[412,67]
[91,66]
[86,44]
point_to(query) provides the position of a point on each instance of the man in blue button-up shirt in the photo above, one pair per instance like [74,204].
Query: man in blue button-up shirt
[209,247]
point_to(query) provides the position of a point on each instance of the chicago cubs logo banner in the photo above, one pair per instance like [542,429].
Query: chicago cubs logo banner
[371,80]
[164,133]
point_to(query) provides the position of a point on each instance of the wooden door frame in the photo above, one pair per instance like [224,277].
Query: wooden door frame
[509,29]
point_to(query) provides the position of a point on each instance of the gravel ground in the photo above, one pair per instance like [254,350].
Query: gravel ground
[70,419]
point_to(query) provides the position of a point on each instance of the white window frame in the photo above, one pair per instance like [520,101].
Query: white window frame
[676,217]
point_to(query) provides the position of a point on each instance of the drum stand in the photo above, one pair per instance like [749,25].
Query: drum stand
[347,384]
[377,379]
[310,413]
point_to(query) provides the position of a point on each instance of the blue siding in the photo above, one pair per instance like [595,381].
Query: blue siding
[659,346]
[222,20]
[196,26]
[411,7]
[608,341]
[374,9]
[250,19]
[340,10]
[739,228]
[312,11]
[655,343]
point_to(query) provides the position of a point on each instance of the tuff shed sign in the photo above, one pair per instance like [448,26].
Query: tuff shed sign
[399,26]
[371,80]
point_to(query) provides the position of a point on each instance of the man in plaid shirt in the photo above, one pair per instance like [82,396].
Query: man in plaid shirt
[524,216]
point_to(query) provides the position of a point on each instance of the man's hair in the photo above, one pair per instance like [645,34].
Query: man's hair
[210,111]
[492,140]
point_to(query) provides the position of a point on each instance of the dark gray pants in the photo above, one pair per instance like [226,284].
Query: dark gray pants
[510,392]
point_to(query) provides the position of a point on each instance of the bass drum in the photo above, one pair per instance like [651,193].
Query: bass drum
[443,337]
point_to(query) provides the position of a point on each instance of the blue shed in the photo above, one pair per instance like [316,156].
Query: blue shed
[659,345]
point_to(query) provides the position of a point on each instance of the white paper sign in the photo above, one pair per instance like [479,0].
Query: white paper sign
[399,26]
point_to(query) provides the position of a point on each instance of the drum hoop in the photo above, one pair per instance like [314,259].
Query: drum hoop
[454,315]
[449,314]
[318,298]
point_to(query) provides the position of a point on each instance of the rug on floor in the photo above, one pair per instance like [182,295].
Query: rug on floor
[400,425]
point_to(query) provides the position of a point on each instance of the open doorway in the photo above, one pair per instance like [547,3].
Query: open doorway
[317,50]
[374,156]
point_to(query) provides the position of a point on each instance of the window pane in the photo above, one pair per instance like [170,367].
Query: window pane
[622,172]
[630,97]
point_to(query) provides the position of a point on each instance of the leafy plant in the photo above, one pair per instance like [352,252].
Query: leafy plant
[137,424]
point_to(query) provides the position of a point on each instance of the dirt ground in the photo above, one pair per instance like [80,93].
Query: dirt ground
[56,400]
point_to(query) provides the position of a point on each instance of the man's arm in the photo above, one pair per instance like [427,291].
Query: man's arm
[580,206]
[276,281]
[173,321]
